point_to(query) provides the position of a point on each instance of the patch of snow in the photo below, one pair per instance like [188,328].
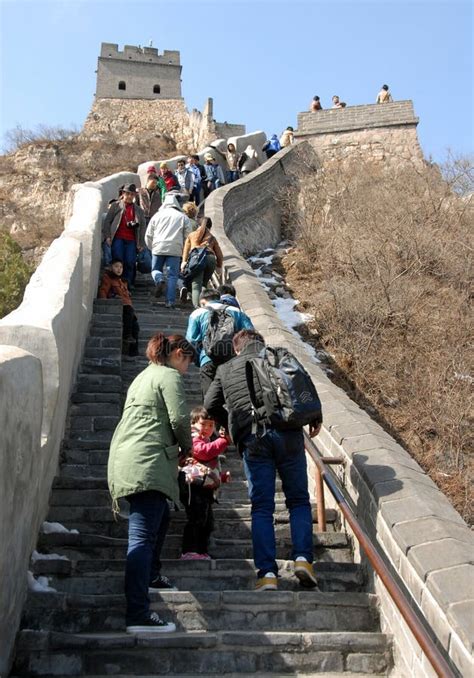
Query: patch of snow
[464,377]
[40,585]
[51,528]
[291,318]
[46,556]
[266,261]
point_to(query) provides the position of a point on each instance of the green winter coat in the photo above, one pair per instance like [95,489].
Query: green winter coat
[155,423]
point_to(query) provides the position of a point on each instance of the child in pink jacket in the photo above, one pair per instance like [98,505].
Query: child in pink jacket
[196,498]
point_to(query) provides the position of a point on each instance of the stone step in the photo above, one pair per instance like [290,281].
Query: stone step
[232,515]
[227,529]
[77,612]
[80,546]
[322,674]
[42,653]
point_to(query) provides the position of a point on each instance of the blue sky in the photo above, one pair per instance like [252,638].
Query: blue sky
[261,61]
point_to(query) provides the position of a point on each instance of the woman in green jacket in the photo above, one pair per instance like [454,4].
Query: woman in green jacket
[143,465]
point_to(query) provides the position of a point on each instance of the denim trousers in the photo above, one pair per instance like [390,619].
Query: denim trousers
[147,526]
[158,263]
[232,175]
[202,277]
[126,250]
[106,254]
[281,451]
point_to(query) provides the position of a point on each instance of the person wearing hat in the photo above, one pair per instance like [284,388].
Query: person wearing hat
[124,229]
[214,174]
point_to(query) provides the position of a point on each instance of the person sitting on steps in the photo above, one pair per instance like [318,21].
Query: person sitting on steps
[114,286]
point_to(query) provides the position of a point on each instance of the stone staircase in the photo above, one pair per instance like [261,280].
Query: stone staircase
[224,627]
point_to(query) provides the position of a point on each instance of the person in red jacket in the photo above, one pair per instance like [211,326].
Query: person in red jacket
[197,499]
[113,286]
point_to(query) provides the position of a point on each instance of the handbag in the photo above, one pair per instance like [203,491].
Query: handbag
[196,473]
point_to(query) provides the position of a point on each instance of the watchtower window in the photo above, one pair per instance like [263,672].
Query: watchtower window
[122,85]
[156,89]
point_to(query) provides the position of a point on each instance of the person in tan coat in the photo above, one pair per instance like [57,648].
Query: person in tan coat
[202,237]
[384,96]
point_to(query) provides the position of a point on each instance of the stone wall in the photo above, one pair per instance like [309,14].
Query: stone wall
[378,131]
[127,120]
[41,345]
[423,539]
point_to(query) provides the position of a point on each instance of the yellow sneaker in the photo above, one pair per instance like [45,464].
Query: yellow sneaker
[305,573]
[269,582]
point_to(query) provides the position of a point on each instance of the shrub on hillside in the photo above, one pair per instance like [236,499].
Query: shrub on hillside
[14,274]
[384,261]
[18,137]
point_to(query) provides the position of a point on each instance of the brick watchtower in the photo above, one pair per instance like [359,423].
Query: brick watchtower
[138,73]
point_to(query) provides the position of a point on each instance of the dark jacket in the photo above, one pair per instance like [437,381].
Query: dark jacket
[149,201]
[230,387]
[114,216]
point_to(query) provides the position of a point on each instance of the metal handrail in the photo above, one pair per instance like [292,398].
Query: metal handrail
[426,643]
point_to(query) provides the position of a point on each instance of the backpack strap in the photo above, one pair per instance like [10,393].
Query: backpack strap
[258,413]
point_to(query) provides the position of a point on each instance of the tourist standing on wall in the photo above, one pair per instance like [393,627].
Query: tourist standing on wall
[214,174]
[143,468]
[384,96]
[199,175]
[198,325]
[271,146]
[286,138]
[316,104]
[124,229]
[248,161]
[165,237]
[149,197]
[203,237]
[337,103]
[169,180]
[264,454]
[185,179]
[232,158]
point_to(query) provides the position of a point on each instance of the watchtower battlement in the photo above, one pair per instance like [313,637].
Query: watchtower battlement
[138,73]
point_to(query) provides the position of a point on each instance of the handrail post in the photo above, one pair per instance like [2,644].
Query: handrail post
[320,508]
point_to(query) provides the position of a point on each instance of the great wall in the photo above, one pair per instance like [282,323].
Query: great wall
[62,383]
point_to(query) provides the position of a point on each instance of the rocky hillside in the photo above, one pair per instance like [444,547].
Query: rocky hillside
[35,179]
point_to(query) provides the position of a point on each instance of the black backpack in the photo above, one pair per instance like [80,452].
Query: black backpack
[195,263]
[217,342]
[282,393]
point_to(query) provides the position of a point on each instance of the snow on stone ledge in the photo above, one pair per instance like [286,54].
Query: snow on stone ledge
[46,556]
[40,585]
[285,309]
[51,528]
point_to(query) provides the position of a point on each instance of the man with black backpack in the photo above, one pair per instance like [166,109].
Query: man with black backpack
[264,397]
[210,330]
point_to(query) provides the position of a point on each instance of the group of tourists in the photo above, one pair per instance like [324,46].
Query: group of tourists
[162,454]
[383,97]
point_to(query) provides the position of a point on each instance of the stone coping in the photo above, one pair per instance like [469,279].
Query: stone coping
[425,540]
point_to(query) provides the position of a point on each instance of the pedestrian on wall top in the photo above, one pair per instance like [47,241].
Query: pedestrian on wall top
[287,137]
[337,103]
[384,96]
[316,104]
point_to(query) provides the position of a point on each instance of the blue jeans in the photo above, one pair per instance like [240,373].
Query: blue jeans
[158,263]
[281,451]
[147,526]
[232,175]
[106,254]
[126,250]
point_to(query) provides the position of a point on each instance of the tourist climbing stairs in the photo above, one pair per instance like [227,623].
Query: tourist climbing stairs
[73,620]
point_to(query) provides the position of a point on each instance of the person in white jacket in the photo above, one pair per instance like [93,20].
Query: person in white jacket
[165,237]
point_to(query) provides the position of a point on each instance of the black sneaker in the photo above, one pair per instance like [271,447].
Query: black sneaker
[161,583]
[152,625]
[183,295]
